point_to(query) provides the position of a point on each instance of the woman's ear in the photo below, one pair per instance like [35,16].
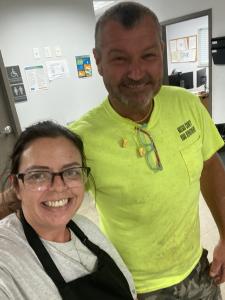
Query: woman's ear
[15,187]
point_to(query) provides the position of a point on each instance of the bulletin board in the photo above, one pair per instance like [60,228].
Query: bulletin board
[183,49]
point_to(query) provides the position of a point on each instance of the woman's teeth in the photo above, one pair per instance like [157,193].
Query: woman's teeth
[58,203]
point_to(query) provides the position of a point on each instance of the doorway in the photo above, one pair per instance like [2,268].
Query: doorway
[9,122]
[189,48]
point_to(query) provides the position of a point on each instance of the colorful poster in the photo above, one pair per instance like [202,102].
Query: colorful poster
[84,66]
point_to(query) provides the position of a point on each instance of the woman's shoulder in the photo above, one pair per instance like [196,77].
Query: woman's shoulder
[86,225]
[11,234]
[9,223]
[95,235]
[92,231]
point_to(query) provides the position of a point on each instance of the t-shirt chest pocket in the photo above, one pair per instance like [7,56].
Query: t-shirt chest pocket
[193,159]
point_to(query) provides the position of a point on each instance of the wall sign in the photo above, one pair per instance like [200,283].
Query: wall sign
[16,83]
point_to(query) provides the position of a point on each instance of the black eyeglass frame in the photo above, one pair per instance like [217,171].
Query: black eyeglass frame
[53,174]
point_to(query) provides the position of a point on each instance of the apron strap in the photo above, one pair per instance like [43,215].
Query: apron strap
[68,290]
[42,254]
[84,239]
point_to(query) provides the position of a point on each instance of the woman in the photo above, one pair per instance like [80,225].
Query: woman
[44,254]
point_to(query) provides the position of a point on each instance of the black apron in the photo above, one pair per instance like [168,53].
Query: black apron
[107,282]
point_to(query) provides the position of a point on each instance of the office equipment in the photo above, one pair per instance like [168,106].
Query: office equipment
[186,80]
[218,50]
[201,78]
[174,79]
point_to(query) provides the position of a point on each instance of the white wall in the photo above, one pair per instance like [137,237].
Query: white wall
[170,9]
[26,24]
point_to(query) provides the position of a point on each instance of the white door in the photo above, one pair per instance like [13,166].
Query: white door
[9,122]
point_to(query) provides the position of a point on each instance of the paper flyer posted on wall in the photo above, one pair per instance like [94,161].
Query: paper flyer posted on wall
[36,78]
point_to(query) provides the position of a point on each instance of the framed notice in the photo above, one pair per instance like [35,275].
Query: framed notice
[183,49]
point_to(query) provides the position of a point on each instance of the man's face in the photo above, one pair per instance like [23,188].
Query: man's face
[130,62]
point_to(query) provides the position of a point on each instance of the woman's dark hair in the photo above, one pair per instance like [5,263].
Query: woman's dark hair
[44,129]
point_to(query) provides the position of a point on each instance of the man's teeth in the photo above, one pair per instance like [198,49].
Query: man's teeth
[58,203]
[135,86]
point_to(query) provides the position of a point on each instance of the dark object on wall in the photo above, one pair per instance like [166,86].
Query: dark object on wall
[218,50]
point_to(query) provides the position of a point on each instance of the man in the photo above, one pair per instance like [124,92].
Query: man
[150,149]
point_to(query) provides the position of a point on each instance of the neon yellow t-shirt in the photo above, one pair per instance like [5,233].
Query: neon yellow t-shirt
[151,216]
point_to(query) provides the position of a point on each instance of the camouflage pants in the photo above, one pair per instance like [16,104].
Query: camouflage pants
[197,286]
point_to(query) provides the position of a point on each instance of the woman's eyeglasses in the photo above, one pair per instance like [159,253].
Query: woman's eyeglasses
[148,149]
[41,180]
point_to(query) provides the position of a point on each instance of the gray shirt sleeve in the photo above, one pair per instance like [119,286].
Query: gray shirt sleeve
[5,293]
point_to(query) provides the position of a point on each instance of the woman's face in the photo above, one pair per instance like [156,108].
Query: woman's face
[49,211]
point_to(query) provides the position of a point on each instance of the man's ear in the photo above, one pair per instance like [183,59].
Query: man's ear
[97,56]
[162,46]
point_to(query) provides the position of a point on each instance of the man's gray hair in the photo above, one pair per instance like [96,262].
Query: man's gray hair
[128,14]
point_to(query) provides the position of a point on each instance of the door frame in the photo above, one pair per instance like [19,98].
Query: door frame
[207,12]
[9,99]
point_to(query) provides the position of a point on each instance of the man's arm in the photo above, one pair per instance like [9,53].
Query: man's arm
[213,191]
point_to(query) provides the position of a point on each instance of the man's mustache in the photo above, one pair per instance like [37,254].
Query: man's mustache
[132,82]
